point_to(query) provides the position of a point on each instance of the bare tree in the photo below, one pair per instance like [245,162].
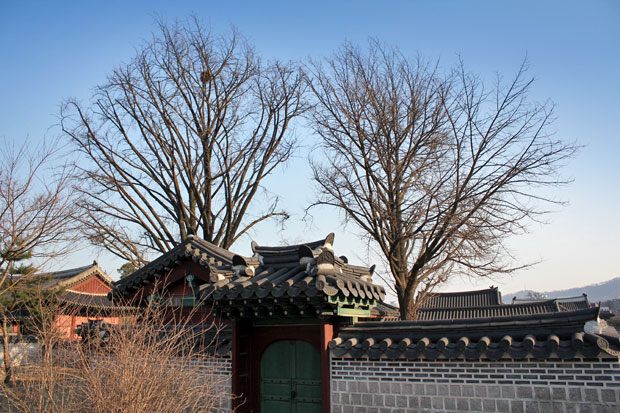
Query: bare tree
[435,169]
[37,221]
[535,295]
[180,140]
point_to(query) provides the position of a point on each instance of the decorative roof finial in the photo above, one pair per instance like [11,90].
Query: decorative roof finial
[329,241]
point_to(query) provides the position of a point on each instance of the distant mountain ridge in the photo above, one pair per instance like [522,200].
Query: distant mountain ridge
[603,291]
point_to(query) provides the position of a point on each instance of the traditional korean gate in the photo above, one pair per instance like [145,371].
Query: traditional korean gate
[290,378]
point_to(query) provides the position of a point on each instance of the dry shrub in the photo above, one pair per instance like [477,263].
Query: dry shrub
[160,363]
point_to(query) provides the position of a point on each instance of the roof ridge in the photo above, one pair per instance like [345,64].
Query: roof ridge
[286,249]
[549,317]
[576,298]
[484,290]
[539,303]
[83,267]
[69,290]
[211,246]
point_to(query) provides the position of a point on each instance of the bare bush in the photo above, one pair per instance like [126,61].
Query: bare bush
[158,364]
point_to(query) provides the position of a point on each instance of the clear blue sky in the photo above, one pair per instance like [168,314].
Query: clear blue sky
[50,51]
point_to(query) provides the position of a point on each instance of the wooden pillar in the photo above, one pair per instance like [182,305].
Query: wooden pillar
[242,366]
[327,333]
[72,334]
[235,362]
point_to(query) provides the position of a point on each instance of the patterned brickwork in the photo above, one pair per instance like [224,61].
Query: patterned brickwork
[221,368]
[585,385]
[218,371]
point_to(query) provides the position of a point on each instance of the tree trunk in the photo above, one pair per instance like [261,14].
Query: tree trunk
[8,369]
[405,303]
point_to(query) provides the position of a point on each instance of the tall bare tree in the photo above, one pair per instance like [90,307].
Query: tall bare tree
[180,140]
[435,169]
[37,221]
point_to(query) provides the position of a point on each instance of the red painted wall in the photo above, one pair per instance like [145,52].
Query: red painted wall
[92,284]
[66,324]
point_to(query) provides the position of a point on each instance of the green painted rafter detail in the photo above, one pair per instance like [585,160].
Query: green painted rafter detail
[350,306]
[173,301]
[364,303]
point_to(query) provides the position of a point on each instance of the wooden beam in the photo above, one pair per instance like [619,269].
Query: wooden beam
[327,334]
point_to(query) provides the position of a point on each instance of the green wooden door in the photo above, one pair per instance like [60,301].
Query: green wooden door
[290,378]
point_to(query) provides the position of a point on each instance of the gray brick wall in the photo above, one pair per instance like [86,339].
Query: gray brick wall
[586,385]
[219,369]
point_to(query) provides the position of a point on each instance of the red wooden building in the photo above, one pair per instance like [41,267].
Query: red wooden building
[84,296]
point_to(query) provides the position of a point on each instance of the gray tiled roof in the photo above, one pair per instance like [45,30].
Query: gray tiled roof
[482,312]
[385,311]
[290,249]
[562,304]
[68,277]
[300,271]
[85,299]
[487,303]
[199,250]
[303,270]
[461,299]
[305,273]
[504,310]
[535,335]
[70,273]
